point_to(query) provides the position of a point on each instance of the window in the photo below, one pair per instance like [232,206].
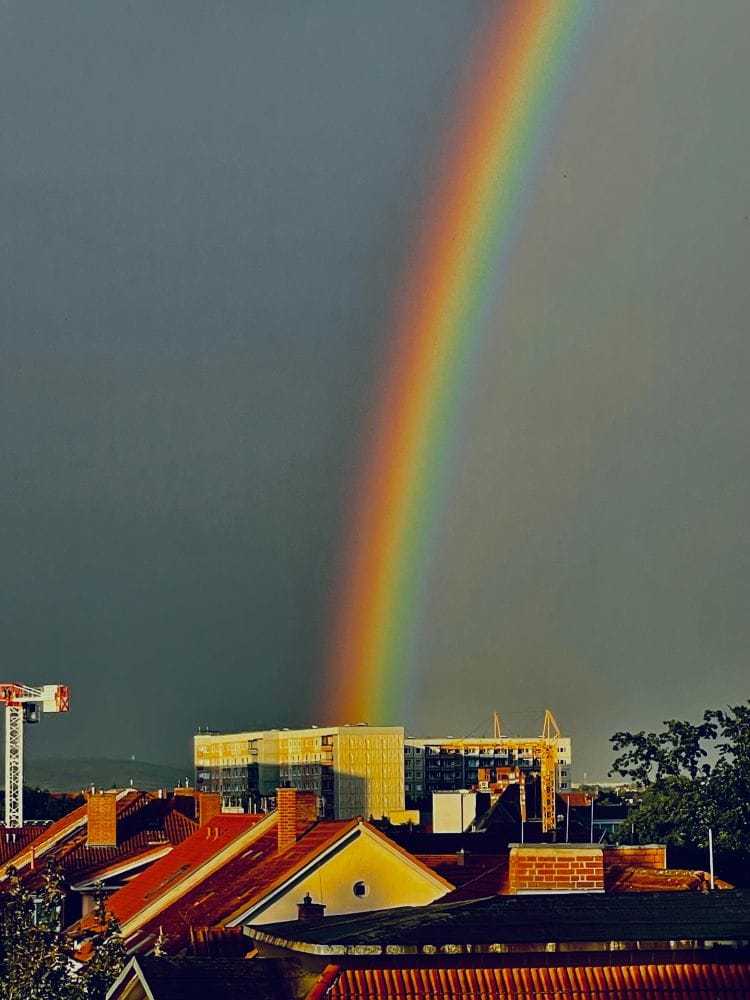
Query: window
[361,889]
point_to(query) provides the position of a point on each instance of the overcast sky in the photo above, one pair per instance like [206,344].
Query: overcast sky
[205,210]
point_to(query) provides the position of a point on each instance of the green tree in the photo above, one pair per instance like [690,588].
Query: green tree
[36,956]
[694,777]
[108,959]
[34,960]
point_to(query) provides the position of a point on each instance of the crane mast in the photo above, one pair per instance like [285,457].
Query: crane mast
[543,748]
[23,704]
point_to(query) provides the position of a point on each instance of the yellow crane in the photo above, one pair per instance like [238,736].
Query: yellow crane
[542,748]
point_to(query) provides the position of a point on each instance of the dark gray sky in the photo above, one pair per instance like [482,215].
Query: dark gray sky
[205,209]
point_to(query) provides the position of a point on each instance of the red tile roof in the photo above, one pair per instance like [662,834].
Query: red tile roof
[223,895]
[145,822]
[185,859]
[476,876]
[220,942]
[242,881]
[13,841]
[577,799]
[54,834]
[626,982]
[622,878]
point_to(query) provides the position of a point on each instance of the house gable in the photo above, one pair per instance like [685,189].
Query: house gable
[361,871]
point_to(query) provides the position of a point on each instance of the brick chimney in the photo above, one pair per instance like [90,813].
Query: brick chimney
[307,910]
[556,868]
[102,819]
[294,807]
[209,805]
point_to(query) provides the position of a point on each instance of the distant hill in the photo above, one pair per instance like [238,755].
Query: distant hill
[73,774]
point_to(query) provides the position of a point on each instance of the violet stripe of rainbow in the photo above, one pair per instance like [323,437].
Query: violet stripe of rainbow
[439,329]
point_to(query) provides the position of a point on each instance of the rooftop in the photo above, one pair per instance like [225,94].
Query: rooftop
[678,981]
[539,919]
[146,824]
[198,978]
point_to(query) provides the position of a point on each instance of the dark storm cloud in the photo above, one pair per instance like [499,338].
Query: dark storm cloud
[206,209]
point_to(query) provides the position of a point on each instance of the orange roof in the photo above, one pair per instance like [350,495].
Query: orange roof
[145,823]
[623,878]
[14,841]
[242,881]
[476,876]
[225,894]
[577,799]
[626,982]
[53,834]
[183,860]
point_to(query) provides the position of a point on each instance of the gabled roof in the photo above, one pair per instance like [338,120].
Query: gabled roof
[147,825]
[184,862]
[12,842]
[229,890]
[247,877]
[47,839]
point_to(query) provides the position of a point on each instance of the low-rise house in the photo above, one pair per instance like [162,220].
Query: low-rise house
[241,869]
[155,978]
[570,946]
[104,843]
[563,867]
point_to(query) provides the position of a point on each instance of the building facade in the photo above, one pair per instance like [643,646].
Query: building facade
[442,764]
[368,771]
[354,770]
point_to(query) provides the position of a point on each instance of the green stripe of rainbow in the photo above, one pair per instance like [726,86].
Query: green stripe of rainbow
[439,327]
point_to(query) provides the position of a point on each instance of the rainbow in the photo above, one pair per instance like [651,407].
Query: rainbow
[441,322]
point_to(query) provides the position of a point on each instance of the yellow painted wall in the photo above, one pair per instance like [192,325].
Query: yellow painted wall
[390,879]
[369,772]
[400,817]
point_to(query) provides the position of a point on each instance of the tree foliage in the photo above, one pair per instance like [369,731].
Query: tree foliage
[694,777]
[36,956]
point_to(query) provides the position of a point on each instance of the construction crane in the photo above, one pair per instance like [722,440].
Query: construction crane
[24,704]
[542,748]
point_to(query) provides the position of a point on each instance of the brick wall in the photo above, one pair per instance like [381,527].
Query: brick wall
[556,868]
[102,819]
[646,856]
[294,806]
[209,805]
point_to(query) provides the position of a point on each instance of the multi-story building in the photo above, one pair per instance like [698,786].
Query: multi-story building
[440,764]
[355,770]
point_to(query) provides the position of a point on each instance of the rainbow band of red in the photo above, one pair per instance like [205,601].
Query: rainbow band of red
[440,326]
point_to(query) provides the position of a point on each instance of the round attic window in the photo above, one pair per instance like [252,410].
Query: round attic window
[361,889]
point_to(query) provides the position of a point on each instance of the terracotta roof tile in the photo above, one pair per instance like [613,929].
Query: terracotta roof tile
[185,858]
[623,878]
[145,821]
[57,832]
[729,981]
[476,876]
[244,880]
[13,841]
